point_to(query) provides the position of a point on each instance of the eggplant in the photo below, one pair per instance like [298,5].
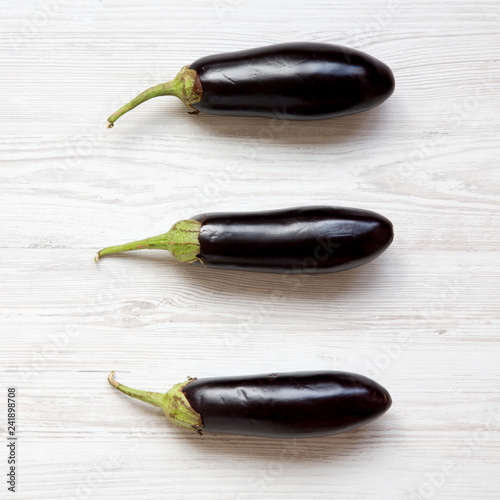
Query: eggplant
[276,405]
[308,240]
[292,81]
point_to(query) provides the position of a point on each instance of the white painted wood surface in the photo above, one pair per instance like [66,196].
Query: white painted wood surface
[423,319]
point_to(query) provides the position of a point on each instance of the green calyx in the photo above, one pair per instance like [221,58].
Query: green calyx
[186,86]
[173,403]
[182,241]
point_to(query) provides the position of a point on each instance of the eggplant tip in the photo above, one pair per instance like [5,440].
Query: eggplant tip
[97,257]
[388,399]
[109,124]
[384,235]
[384,400]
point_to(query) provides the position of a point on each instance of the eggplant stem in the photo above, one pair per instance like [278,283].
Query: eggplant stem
[152,398]
[111,379]
[151,243]
[161,89]
[182,241]
[186,86]
[174,403]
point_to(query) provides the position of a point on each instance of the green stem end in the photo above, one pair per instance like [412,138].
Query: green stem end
[173,403]
[186,86]
[182,241]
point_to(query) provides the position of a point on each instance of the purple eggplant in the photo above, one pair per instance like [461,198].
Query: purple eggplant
[277,405]
[293,81]
[297,240]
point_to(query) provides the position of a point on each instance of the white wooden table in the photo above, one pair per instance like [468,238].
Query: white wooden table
[423,319]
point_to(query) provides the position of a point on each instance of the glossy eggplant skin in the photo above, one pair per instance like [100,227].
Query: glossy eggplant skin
[294,81]
[307,240]
[287,405]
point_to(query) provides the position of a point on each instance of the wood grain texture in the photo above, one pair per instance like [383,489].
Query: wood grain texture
[423,319]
